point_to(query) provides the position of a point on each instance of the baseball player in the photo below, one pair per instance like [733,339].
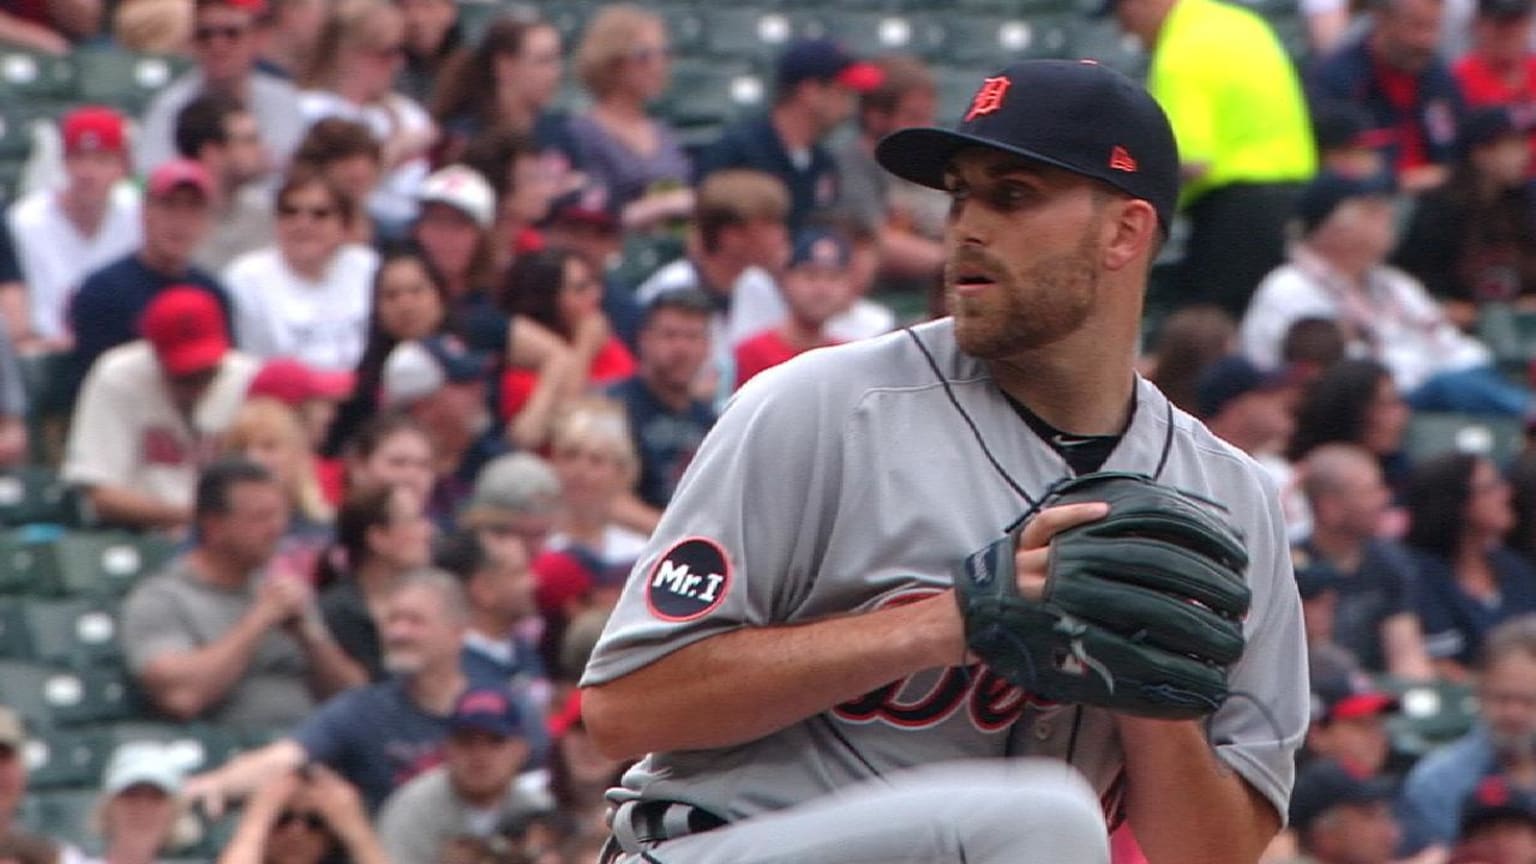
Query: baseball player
[794,655]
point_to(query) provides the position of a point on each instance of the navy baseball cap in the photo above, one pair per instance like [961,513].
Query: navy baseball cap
[1231,377]
[492,710]
[1325,784]
[1496,801]
[1349,696]
[1074,114]
[825,60]
[1329,189]
[822,247]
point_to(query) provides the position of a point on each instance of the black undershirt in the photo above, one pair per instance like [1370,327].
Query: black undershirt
[1083,453]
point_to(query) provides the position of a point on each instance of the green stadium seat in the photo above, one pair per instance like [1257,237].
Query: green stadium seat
[871,34]
[990,42]
[747,33]
[27,561]
[123,80]
[709,93]
[194,746]
[643,254]
[1429,433]
[58,759]
[78,633]
[34,494]
[109,563]
[64,814]
[1432,714]
[51,696]
[30,76]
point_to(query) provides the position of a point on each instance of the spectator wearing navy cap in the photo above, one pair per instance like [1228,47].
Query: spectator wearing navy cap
[814,89]
[1338,271]
[1498,826]
[441,383]
[1341,818]
[479,796]
[1248,408]
[816,287]
[1349,723]
[1472,242]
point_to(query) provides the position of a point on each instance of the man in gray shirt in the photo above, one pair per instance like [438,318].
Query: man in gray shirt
[217,637]
[225,45]
[479,796]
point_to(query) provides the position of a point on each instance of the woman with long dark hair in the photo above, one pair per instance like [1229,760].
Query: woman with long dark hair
[506,83]
[1469,581]
[1354,402]
[382,533]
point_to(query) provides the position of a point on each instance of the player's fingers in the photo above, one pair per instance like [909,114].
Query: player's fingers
[1053,520]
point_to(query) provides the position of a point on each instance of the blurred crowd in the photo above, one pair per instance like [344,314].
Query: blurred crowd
[351,316]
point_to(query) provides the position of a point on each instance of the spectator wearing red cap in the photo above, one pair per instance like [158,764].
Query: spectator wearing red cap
[306,297]
[312,393]
[177,215]
[224,44]
[218,132]
[360,53]
[49,26]
[150,412]
[624,62]
[61,235]
[815,85]
[1349,723]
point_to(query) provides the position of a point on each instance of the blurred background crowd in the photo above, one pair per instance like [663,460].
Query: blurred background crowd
[351,349]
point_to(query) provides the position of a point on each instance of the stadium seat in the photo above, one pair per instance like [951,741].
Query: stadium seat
[63,814]
[1429,433]
[15,636]
[50,696]
[871,34]
[78,633]
[109,563]
[27,561]
[991,42]
[35,494]
[643,255]
[1509,333]
[123,80]
[57,759]
[1432,714]
[747,33]
[709,93]
[1104,41]
[194,746]
[30,76]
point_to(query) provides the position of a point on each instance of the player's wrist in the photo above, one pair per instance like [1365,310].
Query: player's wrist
[935,633]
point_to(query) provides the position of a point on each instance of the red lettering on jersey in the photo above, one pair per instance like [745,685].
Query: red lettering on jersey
[992,703]
[1122,161]
[160,446]
[989,98]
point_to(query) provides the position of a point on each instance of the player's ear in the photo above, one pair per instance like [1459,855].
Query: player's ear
[1130,234]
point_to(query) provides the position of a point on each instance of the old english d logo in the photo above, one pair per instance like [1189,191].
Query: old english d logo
[989,98]
[1122,161]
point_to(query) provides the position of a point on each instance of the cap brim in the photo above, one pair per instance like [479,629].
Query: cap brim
[861,77]
[487,725]
[922,154]
[1363,705]
[333,385]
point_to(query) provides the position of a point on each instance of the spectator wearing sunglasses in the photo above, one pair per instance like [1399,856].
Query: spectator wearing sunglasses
[304,817]
[225,47]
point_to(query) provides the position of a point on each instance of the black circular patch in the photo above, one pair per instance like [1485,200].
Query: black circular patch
[688,581]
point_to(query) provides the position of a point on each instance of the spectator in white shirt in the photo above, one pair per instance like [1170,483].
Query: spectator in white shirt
[60,235]
[308,297]
[1337,271]
[150,412]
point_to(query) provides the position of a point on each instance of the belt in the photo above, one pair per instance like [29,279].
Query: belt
[639,825]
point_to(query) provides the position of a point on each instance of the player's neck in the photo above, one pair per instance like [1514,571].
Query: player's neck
[1079,392]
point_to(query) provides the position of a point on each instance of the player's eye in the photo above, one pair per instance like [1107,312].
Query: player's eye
[1009,196]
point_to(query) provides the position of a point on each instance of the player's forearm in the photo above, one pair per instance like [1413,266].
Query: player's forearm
[752,682]
[1215,817]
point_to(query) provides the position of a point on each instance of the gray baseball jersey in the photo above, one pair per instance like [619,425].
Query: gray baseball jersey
[845,480]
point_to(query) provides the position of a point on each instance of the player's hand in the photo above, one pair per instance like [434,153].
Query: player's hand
[1029,561]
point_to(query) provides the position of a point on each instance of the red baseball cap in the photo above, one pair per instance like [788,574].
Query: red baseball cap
[186,327]
[293,383]
[177,173]
[94,129]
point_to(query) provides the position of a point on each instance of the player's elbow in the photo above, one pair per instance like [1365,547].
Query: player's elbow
[611,727]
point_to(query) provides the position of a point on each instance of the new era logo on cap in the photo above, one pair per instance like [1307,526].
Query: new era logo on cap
[990,97]
[1121,160]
